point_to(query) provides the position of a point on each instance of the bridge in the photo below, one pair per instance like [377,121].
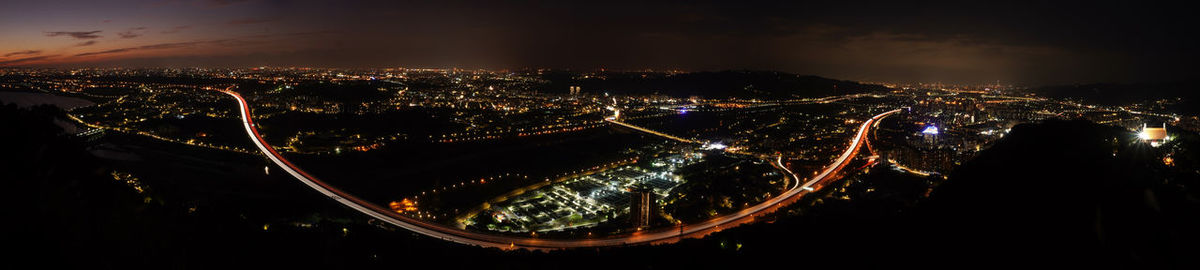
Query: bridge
[648,131]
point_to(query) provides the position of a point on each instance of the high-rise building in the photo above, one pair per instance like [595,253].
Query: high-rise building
[574,90]
[641,204]
[930,134]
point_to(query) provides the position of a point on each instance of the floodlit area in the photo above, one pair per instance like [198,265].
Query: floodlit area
[586,200]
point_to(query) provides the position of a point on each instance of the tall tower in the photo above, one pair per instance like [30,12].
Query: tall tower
[641,203]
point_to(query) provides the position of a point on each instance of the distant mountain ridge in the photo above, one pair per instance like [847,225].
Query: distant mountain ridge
[719,84]
[1128,93]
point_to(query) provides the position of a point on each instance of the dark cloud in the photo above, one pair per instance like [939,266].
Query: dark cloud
[177,29]
[222,3]
[23,60]
[1029,42]
[294,34]
[86,43]
[131,32]
[146,47]
[159,46]
[240,41]
[28,52]
[77,35]
[251,21]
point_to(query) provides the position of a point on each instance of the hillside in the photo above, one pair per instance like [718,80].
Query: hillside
[721,84]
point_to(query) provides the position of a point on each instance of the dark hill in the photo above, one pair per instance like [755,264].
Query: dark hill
[1065,193]
[722,84]
[1124,94]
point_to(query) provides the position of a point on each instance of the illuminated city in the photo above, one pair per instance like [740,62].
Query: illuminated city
[200,143]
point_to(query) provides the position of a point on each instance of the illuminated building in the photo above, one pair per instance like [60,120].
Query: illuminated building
[641,201]
[90,136]
[714,146]
[1155,136]
[930,130]
[930,133]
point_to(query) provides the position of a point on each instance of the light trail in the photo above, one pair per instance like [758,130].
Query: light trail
[447,233]
[656,133]
[779,160]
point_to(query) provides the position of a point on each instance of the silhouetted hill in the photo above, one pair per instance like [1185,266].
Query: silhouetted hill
[721,84]
[1068,193]
[1123,94]
[1050,195]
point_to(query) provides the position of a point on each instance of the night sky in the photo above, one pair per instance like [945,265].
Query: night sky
[897,41]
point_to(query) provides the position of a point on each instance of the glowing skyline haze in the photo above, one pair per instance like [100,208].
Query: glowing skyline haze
[1030,43]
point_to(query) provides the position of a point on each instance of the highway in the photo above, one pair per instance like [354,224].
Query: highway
[447,233]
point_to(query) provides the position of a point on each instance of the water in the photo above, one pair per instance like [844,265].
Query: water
[28,99]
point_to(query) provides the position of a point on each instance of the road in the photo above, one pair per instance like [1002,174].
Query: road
[447,233]
[664,135]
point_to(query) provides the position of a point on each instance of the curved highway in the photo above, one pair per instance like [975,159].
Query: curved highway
[665,235]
